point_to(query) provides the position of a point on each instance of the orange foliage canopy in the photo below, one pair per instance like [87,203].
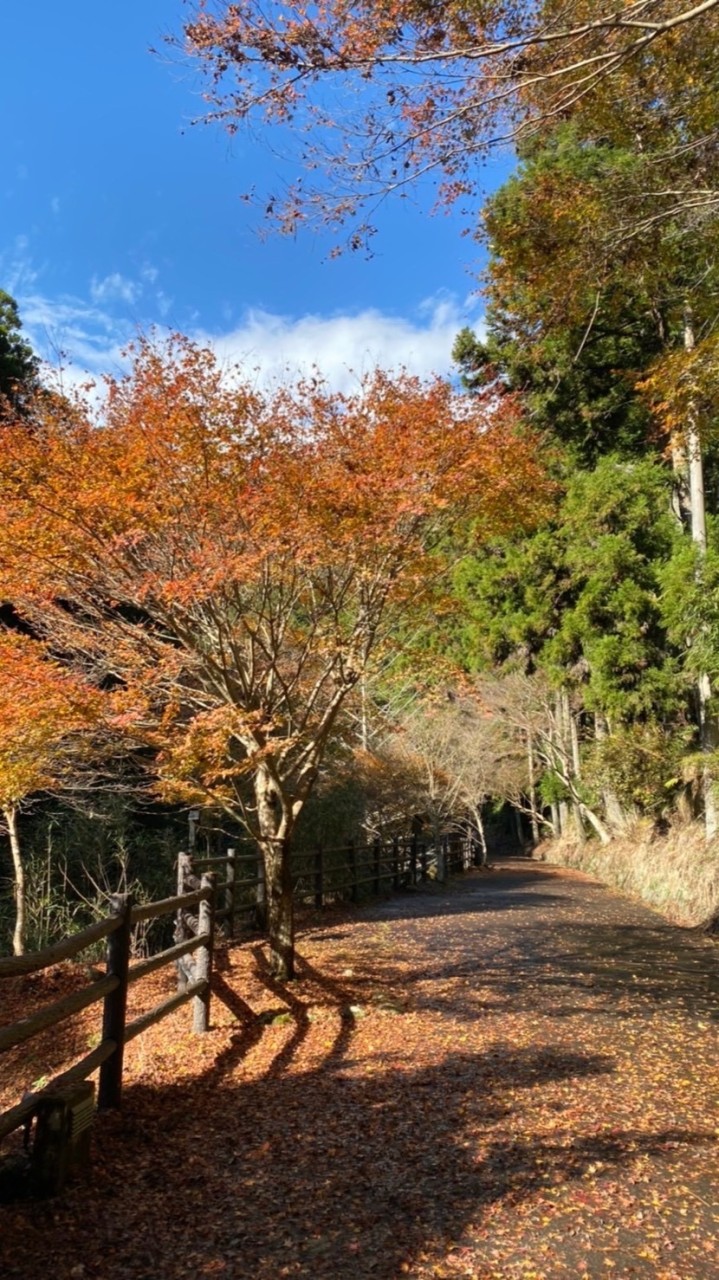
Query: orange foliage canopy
[228,561]
[43,709]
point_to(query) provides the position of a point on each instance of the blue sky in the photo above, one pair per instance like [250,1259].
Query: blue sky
[117,213]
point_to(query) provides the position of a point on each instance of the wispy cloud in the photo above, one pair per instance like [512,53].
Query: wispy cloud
[86,336]
[115,288]
[17,270]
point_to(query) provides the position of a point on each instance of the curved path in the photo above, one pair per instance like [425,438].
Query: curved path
[513,1078]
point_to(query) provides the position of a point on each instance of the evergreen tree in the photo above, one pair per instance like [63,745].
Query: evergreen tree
[19,366]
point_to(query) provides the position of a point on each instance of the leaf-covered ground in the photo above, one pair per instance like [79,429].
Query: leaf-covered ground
[512,1078]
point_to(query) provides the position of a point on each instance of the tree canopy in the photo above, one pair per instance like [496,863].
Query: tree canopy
[384,95]
[229,562]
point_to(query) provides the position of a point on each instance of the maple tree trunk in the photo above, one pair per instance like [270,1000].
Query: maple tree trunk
[280,909]
[18,937]
[275,834]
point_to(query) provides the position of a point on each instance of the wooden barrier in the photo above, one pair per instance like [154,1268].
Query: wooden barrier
[322,874]
[112,991]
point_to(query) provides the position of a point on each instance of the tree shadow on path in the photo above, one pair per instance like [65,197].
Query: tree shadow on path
[332,1173]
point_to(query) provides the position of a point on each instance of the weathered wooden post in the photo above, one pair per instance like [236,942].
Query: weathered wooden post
[443,858]
[115,1005]
[182,931]
[230,894]
[203,955]
[319,877]
[61,1143]
[377,852]
[352,863]
[193,822]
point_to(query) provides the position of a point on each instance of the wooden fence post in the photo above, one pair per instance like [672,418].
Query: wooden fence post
[261,896]
[203,955]
[440,845]
[376,850]
[230,891]
[352,861]
[115,1004]
[319,877]
[182,931]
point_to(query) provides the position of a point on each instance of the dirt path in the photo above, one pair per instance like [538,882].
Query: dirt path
[515,1077]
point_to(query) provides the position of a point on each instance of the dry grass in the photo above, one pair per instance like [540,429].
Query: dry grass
[677,873]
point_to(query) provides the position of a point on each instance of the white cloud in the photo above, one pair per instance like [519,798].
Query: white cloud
[115,288]
[16,268]
[77,341]
[163,303]
[343,347]
[86,337]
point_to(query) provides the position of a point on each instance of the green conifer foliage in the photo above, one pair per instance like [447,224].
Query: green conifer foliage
[19,366]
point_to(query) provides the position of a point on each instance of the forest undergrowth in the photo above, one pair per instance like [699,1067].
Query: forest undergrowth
[676,873]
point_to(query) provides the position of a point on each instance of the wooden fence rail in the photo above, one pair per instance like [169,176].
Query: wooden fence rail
[112,990]
[320,875]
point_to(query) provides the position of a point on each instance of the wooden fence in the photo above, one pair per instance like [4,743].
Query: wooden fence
[111,989]
[344,872]
[332,874]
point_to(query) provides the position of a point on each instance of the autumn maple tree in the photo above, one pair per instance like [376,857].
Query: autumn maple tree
[384,95]
[227,562]
[47,714]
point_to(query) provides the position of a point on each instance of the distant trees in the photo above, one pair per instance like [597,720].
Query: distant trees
[607,339]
